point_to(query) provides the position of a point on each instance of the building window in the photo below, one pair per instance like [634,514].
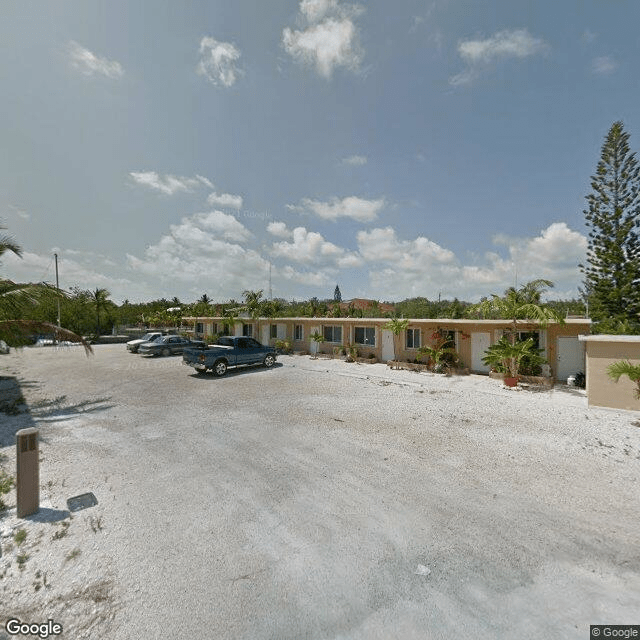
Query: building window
[274,331]
[247,330]
[298,333]
[332,334]
[199,327]
[413,338]
[365,336]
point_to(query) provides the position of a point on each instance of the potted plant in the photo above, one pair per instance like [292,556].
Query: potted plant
[509,356]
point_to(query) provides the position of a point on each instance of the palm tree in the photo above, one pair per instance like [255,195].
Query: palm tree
[99,297]
[16,297]
[396,326]
[625,368]
[205,299]
[253,302]
[519,304]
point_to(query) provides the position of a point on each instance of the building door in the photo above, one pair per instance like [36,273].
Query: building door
[570,357]
[387,345]
[314,346]
[480,342]
[265,334]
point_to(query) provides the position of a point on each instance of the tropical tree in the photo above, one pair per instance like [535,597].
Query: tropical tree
[507,356]
[612,269]
[518,304]
[441,354]
[204,299]
[18,298]
[625,368]
[253,302]
[396,326]
[99,298]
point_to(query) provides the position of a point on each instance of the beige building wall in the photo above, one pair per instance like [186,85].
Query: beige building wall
[603,350]
[463,329]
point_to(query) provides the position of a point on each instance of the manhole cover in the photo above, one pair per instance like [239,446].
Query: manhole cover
[83,501]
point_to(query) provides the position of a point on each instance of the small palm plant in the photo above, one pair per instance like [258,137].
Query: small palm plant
[625,368]
[396,326]
[509,356]
[318,338]
[441,355]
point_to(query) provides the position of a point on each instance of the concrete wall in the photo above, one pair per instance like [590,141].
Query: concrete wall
[601,352]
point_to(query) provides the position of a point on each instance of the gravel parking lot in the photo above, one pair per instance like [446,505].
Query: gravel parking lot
[318,500]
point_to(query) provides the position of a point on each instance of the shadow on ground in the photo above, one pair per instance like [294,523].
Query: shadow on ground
[16,414]
[231,373]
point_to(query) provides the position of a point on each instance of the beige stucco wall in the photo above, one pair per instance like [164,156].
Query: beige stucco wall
[601,390]
[464,329]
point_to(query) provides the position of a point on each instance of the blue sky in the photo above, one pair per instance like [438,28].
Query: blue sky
[397,149]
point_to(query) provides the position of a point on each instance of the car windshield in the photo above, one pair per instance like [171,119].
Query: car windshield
[225,342]
[148,337]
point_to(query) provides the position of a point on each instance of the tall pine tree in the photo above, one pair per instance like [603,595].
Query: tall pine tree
[612,269]
[337,296]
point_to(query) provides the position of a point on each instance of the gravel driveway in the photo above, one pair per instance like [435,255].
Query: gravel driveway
[318,500]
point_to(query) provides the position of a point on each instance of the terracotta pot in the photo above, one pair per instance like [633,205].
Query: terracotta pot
[511,382]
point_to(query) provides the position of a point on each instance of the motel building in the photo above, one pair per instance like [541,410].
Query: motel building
[560,344]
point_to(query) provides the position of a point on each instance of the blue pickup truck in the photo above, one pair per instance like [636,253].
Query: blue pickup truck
[229,351]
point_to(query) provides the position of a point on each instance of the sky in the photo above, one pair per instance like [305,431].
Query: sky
[415,148]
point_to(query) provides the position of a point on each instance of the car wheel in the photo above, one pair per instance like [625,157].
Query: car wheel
[269,361]
[220,368]
[202,372]
[166,352]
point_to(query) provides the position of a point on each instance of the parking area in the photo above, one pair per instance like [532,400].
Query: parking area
[317,499]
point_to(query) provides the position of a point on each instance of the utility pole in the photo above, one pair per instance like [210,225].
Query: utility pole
[55,255]
[57,287]
[270,289]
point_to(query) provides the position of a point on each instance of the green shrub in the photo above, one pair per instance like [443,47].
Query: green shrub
[6,484]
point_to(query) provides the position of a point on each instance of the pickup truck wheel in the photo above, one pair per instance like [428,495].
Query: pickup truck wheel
[220,368]
[269,361]
[166,352]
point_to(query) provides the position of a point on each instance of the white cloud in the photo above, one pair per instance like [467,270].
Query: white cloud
[279,229]
[349,207]
[405,268]
[168,184]
[311,248]
[588,36]
[205,251]
[604,65]
[89,63]
[21,213]
[329,38]
[356,161]
[479,54]
[225,200]
[77,268]
[219,62]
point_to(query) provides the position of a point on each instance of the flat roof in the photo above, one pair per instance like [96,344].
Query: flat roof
[604,337]
[326,319]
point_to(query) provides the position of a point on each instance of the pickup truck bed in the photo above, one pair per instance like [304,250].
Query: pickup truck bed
[229,351]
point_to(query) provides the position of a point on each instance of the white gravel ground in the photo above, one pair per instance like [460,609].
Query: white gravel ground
[318,499]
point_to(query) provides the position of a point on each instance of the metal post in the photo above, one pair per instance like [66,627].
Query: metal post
[27,472]
[57,287]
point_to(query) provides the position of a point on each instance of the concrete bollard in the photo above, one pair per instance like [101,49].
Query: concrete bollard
[27,472]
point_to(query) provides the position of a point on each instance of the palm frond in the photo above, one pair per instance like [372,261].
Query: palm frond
[7,243]
[16,330]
